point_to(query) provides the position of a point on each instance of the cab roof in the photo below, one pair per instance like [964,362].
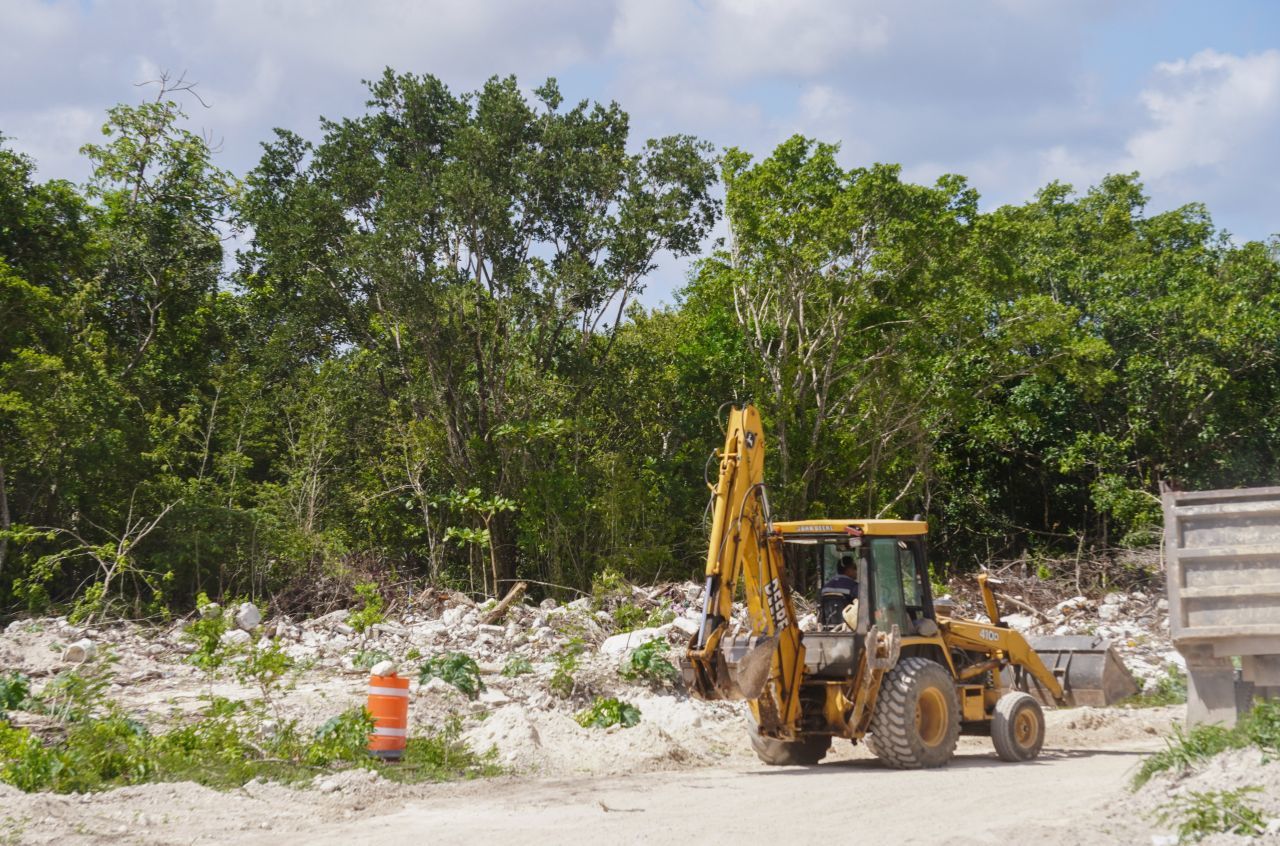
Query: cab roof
[807,528]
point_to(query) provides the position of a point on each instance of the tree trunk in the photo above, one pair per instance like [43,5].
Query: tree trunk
[502,534]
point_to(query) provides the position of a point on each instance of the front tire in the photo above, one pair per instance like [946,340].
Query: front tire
[782,753]
[917,716]
[1017,727]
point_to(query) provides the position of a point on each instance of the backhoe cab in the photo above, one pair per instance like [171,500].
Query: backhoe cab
[889,667]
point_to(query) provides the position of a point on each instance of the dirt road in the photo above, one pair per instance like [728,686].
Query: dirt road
[1057,799]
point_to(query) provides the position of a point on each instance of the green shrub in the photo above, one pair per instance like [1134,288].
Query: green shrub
[15,691]
[206,633]
[1198,815]
[456,668]
[567,661]
[1261,726]
[365,659]
[1170,689]
[609,712]
[608,587]
[342,738]
[629,616]
[517,665]
[648,663]
[370,612]
[25,763]
[77,694]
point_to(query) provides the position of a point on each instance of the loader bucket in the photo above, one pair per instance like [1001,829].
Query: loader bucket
[1089,669]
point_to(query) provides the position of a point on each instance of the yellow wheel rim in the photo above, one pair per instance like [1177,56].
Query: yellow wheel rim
[1025,728]
[931,716]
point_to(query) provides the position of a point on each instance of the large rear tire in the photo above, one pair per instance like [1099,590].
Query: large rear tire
[781,753]
[1017,727]
[917,716]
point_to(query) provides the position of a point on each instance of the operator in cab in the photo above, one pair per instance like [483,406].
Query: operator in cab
[839,592]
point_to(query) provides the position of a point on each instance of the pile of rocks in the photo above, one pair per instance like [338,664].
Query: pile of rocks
[533,642]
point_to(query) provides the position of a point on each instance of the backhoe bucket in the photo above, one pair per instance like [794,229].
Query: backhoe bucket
[746,666]
[740,670]
[1089,669]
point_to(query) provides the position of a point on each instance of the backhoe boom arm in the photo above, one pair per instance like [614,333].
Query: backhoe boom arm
[765,666]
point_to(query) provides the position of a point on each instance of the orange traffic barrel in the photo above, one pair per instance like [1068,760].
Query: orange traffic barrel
[389,705]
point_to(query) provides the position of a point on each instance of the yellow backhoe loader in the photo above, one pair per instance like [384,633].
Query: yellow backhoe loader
[888,667]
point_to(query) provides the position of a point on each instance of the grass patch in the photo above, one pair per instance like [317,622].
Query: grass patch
[224,749]
[442,756]
[1259,728]
[1197,815]
[89,743]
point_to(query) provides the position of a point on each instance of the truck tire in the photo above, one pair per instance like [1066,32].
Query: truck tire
[916,722]
[781,753]
[1017,727]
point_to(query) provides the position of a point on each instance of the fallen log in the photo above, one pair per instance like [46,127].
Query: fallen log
[500,610]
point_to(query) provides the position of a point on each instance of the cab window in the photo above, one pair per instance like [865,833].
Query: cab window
[912,590]
[890,606]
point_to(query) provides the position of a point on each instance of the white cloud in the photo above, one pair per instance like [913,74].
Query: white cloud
[1206,130]
[754,38]
[1206,111]
[1003,91]
[53,138]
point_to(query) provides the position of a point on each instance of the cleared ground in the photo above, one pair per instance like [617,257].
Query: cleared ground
[977,799]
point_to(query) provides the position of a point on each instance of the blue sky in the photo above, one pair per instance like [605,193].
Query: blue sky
[1010,93]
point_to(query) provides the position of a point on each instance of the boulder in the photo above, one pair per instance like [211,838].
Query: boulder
[439,687]
[684,624]
[493,696]
[620,644]
[248,616]
[1020,622]
[236,637]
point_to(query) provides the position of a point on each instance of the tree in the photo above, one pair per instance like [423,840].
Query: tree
[478,246]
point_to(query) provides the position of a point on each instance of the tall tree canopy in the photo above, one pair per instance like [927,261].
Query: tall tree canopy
[427,361]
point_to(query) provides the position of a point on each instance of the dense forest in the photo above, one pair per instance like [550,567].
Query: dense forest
[424,361]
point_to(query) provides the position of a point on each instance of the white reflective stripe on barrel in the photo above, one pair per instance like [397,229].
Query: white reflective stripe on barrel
[387,732]
[389,691]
